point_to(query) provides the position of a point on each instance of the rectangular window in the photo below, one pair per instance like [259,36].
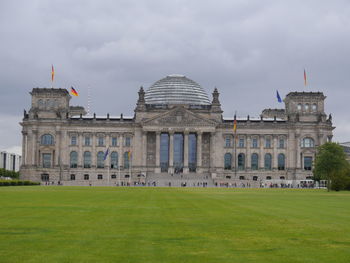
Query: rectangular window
[255,143]
[46,160]
[87,141]
[73,140]
[72,177]
[241,143]
[127,141]
[281,143]
[99,177]
[267,143]
[45,177]
[100,141]
[307,163]
[86,177]
[114,141]
[228,142]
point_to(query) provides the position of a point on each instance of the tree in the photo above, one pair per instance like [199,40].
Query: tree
[331,165]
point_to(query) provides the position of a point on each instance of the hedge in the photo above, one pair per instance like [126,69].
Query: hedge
[17,182]
[6,173]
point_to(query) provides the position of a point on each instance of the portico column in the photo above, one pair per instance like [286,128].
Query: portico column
[171,153]
[249,154]
[144,150]
[80,147]
[199,152]
[35,154]
[298,157]
[261,152]
[94,153]
[185,152]
[157,169]
[57,148]
[212,151]
[121,151]
[24,148]
[274,157]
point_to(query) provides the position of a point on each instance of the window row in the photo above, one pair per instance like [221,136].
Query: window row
[305,142]
[47,139]
[100,141]
[307,107]
[111,160]
[255,178]
[281,162]
[241,162]
[241,143]
[98,177]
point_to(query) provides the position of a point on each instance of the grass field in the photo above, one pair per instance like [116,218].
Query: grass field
[105,224]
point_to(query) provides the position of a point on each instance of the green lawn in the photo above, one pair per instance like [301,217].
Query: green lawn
[105,224]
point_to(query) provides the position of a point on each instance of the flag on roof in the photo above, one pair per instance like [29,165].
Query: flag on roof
[234,125]
[305,82]
[73,92]
[278,97]
[52,73]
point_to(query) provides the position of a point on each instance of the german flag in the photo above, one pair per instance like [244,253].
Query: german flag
[73,92]
[52,73]
[234,125]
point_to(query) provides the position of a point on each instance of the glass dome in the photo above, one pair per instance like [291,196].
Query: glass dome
[176,89]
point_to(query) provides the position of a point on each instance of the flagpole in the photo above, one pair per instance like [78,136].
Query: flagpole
[235,147]
[118,174]
[130,168]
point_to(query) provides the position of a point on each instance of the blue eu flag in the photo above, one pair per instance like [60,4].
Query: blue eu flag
[106,154]
[279,97]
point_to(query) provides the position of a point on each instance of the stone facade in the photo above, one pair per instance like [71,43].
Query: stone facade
[61,144]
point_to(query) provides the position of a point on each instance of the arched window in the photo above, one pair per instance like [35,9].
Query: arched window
[114,160]
[47,139]
[100,161]
[281,161]
[307,107]
[307,142]
[314,107]
[73,159]
[241,161]
[87,159]
[127,156]
[227,161]
[268,160]
[299,107]
[255,161]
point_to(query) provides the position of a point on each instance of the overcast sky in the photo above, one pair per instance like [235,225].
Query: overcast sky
[245,48]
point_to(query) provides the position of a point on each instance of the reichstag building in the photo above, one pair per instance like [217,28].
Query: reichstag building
[177,136]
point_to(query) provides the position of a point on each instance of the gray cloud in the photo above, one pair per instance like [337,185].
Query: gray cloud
[247,49]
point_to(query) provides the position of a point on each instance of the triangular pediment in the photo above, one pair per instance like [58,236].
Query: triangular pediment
[179,116]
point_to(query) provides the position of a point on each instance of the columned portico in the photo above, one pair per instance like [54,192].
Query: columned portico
[157,169]
[185,169]
[171,152]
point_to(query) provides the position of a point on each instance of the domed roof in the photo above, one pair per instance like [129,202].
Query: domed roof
[176,89]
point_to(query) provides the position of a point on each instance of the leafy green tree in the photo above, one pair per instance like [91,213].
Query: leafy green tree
[331,165]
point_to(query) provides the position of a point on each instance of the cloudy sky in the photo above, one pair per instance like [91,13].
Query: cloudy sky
[245,48]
